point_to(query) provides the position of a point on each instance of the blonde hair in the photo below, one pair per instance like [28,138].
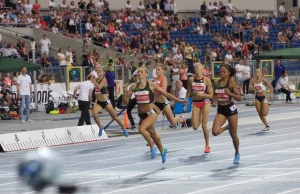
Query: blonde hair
[147,71]
[262,72]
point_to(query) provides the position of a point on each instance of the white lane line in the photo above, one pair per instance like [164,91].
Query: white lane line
[290,191]
[137,148]
[208,174]
[129,176]
[243,182]
[134,137]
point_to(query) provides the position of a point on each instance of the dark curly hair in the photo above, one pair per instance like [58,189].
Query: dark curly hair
[230,69]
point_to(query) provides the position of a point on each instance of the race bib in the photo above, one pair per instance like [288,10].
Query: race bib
[198,87]
[142,97]
[233,108]
[258,88]
[220,95]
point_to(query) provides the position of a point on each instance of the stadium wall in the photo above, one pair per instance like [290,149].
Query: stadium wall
[187,4]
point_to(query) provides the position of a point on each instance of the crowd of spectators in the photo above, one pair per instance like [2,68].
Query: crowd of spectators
[146,32]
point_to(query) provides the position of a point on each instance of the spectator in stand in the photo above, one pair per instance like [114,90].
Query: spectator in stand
[247,76]
[71,25]
[61,58]
[5,51]
[81,4]
[63,5]
[45,62]
[69,53]
[90,7]
[279,68]
[203,9]
[283,86]
[87,62]
[183,75]
[52,4]
[24,93]
[140,7]
[8,80]
[228,56]
[174,77]
[110,77]
[248,15]
[45,43]
[230,8]
[282,9]
[28,7]
[5,96]
[239,69]
[128,7]
[99,6]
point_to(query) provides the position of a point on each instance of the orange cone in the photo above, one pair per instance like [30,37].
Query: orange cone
[126,121]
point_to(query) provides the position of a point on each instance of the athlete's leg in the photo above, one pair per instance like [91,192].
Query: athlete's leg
[95,111]
[196,117]
[110,109]
[143,128]
[205,114]
[233,123]
[219,121]
[169,114]
[260,108]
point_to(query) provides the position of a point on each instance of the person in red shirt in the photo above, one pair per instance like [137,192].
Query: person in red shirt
[36,7]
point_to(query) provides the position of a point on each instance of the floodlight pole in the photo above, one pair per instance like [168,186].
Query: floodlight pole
[32,43]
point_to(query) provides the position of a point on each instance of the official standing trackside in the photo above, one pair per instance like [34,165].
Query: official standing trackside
[85,96]
[24,92]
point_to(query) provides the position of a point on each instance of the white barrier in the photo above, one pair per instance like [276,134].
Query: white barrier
[49,137]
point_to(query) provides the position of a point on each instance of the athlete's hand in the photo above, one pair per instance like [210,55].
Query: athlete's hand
[271,97]
[227,92]
[214,103]
[184,101]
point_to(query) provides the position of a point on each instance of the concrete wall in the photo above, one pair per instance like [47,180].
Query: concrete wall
[59,41]
[186,4]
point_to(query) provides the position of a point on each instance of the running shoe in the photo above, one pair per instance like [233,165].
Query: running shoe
[133,128]
[164,155]
[153,153]
[172,126]
[236,159]
[267,128]
[207,149]
[125,133]
[100,131]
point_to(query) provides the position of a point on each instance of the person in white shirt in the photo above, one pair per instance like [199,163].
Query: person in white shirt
[61,58]
[239,74]
[63,4]
[140,6]
[88,25]
[247,76]
[228,56]
[69,53]
[181,90]
[13,51]
[282,9]
[45,43]
[175,77]
[28,7]
[85,97]
[178,58]
[248,15]
[173,8]
[24,92]
[229,18]
[5,51]
[128,7]
[52,4]
[230,7]
[100,5]
[283,86]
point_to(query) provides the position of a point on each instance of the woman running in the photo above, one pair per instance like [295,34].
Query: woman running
[143,91]
[102,101]
[201,89]
[161,101]
[261,101]
[224,90]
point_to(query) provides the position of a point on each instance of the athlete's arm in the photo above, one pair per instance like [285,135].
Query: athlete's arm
[128,93]
[214,100]
[236,93]
[188,91]
[76,90]
[100,85]
[210,93]
[267,83]
[166,94]
[165,84]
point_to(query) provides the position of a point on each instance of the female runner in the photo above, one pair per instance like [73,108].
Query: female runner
[224,90]
[261,101]
[161,101]
[201,89]
[102,101]
[143,91]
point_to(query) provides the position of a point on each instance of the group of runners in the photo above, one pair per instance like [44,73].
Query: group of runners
[151,98]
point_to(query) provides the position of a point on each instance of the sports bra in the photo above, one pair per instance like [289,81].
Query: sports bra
[158,82]
[260,87]
[198,85]
[220,92]
[102,90]
[145,95]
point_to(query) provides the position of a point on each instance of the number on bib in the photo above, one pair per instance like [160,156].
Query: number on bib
[233,108]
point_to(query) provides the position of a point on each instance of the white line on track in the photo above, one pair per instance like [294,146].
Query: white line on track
[290,191]
[179,167]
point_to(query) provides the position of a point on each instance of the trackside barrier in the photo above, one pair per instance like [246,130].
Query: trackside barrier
[49,137]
